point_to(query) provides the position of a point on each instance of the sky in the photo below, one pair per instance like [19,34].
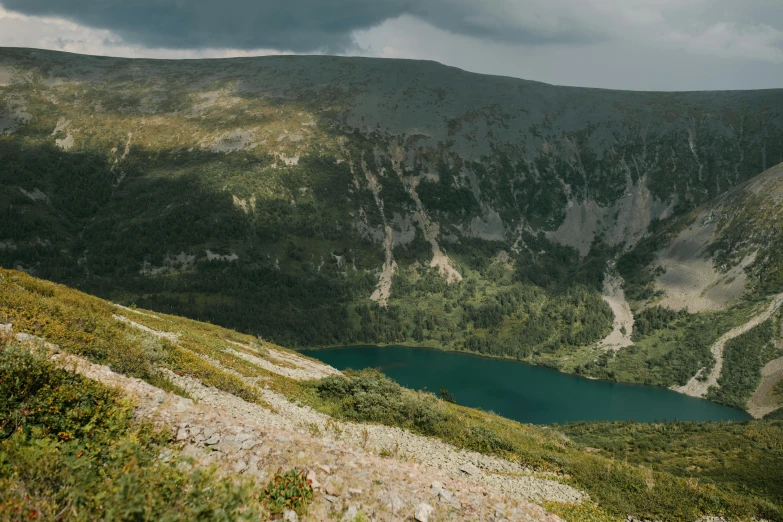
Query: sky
[618,44]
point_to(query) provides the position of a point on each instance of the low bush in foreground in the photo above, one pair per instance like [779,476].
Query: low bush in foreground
[69,450]
[289,490]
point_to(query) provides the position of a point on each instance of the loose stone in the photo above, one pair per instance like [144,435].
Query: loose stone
[423,512]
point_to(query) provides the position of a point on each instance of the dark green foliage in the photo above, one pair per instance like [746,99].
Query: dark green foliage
[743,358]
[536,324]
[290,490]
[556,267]
[369,396]
[544,263]
[84,179]
[446,395]
[478,254]
[712,452]
[34,395]
[654,318]
[634,265]
[447,198]
[373,397]
[668,356]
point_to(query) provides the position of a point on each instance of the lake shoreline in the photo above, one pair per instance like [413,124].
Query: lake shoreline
[525,392]
[304,351]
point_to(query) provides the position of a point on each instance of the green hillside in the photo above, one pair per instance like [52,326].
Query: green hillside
[323,201]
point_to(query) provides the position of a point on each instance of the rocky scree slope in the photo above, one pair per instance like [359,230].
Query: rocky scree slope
[322,200]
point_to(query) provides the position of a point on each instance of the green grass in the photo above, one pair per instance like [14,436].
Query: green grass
[745,458]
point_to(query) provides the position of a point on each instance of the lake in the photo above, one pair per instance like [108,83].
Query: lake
[526,393]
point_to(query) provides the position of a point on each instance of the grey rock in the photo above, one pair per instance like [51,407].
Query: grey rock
[166,455]
[331,488]
[290,516]
[396,502]
[228,445]
[446,495]
[214,439]
[190,451]
[313,480]
[352,512]
[470,469]
[423,512]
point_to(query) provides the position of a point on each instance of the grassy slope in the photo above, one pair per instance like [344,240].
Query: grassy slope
[84,325]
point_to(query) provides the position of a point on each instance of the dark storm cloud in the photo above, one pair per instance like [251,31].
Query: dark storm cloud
[295,25]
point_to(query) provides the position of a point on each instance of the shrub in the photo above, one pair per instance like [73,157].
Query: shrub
[289,490]
[372,397]
[446,395]
[70,450]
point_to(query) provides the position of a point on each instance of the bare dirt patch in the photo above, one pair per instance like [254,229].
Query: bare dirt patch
[383,289]
[764,399]
[622,327]
[690,280]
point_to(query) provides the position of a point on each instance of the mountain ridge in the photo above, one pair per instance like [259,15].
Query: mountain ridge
[322,201]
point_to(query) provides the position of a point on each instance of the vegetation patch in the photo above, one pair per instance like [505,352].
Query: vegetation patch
[743,358]
[70,450]
[290,490]
[744,458]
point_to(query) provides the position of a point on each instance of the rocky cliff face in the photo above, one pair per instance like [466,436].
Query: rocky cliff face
[482,156]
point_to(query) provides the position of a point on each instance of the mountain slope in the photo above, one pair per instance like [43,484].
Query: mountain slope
[325,201]
[723,261]
[371,446]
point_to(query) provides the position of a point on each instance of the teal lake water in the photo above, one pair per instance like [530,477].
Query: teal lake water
[526,393]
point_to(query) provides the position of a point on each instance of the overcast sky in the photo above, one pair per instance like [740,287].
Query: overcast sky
[622,44]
